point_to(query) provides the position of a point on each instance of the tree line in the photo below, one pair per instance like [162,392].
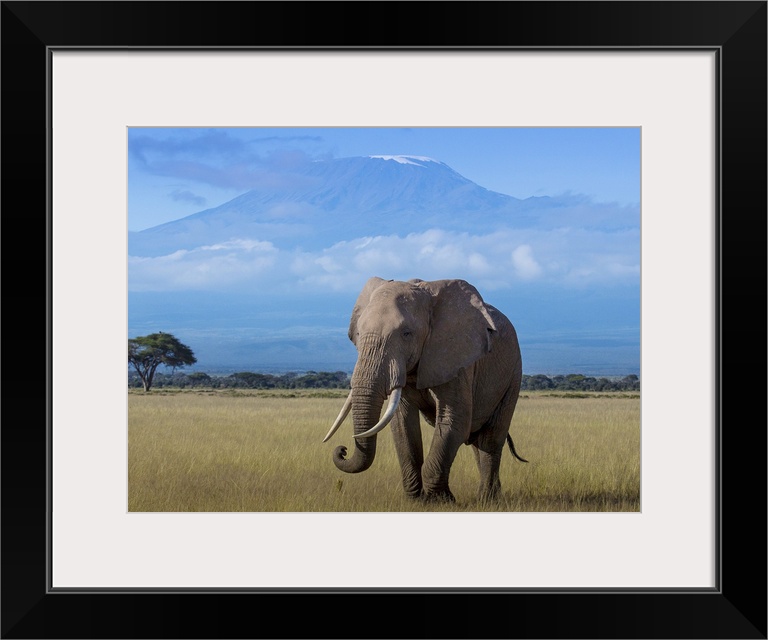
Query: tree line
[579,382]
[248,380]
[147,353]
[341,380]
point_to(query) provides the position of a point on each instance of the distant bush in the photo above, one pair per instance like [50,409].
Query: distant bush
[579,382]
[340,380]
[247,380]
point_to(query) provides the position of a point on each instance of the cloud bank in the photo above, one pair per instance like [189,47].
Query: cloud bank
[572,258]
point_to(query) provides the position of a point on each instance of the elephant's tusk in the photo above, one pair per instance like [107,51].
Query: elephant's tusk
[394,400]
[342,414]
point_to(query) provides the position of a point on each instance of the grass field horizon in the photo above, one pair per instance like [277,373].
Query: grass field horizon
[238,450]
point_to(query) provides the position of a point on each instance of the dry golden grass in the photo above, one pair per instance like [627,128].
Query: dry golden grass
[260,451]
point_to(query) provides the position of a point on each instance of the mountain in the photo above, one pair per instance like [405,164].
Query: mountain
[346,197]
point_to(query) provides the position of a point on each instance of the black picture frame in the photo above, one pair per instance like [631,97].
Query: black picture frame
[736,608]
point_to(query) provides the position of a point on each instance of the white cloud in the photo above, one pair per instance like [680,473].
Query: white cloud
[329,264]
[432,255]
[493,261]
[236,244]
[525,264]
[217,266]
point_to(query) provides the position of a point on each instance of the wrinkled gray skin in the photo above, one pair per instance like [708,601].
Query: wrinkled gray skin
[457,360]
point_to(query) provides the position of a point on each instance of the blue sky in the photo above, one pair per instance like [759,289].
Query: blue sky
[570,282]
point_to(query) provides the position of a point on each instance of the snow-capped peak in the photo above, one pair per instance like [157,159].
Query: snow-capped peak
[416,160]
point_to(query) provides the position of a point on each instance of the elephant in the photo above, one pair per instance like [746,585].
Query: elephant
[435,348]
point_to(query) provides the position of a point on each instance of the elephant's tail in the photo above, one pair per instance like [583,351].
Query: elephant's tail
[512,449]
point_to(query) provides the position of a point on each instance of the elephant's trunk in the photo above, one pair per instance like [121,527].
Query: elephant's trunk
[366,407]
[394,400]
[376,375]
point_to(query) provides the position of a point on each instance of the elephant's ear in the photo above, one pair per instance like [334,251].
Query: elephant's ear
[362,302]
[459,333]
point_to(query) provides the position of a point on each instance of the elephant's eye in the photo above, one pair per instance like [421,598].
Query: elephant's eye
[406,334]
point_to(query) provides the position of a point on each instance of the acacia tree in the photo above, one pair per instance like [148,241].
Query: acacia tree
[147,353]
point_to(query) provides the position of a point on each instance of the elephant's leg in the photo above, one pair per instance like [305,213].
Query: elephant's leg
[406,431]
[453,421]
[489,445]
[488,463]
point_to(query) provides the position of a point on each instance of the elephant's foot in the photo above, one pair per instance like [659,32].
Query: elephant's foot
[412,487]
[435,495]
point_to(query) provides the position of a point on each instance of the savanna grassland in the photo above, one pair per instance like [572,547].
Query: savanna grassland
[233,450]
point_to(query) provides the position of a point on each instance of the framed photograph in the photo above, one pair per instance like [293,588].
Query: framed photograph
[256,293]
[92,89]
